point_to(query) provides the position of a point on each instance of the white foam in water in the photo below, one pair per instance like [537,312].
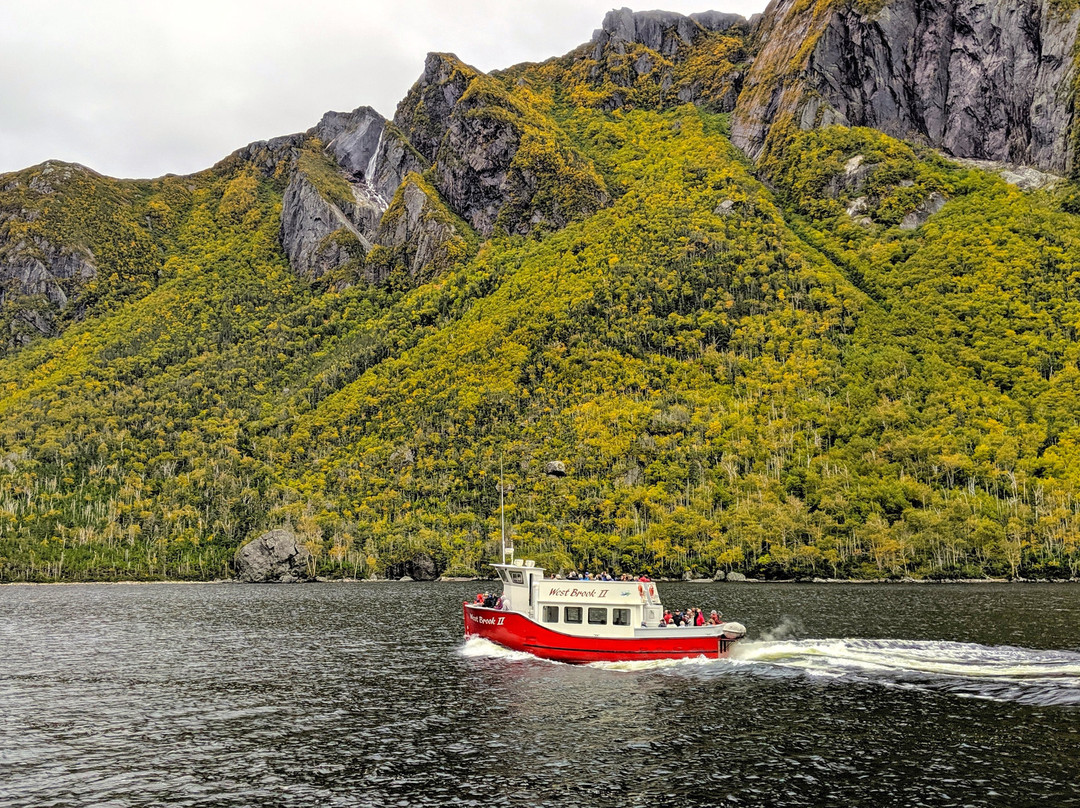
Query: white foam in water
[1000,673]
[633,666]
[479,647]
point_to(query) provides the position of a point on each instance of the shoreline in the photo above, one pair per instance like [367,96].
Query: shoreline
[750,581]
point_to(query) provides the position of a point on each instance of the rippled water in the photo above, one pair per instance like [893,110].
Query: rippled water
[366,694]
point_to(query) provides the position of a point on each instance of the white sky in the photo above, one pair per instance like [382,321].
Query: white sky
[140,88]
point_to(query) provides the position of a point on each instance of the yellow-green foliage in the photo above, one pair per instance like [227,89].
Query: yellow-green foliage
[460,240]
[119,226]
[549,181]
[321,171]
[736,376]
[615,80]
[812,171]
[238,200]
[709,66]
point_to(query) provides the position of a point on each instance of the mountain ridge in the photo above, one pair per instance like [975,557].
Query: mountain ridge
[848,356]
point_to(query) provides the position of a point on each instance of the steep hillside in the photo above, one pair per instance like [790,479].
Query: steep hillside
[990,80]
[834,353]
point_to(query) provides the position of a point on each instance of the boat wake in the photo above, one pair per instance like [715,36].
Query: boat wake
[1000,673]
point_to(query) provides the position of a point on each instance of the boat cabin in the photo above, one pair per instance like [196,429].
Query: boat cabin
[584,608]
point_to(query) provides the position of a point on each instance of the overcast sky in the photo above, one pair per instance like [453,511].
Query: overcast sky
[140,88]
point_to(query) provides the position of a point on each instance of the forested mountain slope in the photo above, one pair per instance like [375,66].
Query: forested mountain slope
[836,353]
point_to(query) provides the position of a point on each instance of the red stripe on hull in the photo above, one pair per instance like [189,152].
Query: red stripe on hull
[518,633]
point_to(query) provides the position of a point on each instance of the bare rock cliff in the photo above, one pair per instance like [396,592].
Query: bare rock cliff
[649,57]
[417,233]
[486,149]
[341,187]
[369,149]
[987,79]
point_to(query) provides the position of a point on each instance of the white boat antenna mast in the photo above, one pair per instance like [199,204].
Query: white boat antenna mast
[502,516]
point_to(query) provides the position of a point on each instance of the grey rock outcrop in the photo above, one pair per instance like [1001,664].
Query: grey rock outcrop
[32,269]
[555,468]
[274,557]
[369,149]
[417,232]
[314,229]
[466,124]
[36,267]
[472,151]
[266,155]
[366,158]
[1025,178]
[421,567]
[987,79]
[473,168]
[666,32]
[659,41]
[423,115]
[927,208]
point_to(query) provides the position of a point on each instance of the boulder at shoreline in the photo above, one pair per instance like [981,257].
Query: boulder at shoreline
[274,557]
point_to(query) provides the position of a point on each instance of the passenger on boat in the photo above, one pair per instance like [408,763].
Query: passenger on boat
[714,618]
[668,618]
[479,599]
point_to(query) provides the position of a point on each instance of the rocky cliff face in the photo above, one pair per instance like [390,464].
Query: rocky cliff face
[46,259]
[349,167]
[369,149]
[989,79]
[417,233]
[660,56]
[314,230]
[665,32]
[497,163]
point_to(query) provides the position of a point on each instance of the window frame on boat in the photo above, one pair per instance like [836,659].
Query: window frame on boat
[620,617]
[569,610]
[598,616]
[517,577]
[551,614]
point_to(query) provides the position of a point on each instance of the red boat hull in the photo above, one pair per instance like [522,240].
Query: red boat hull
[519,633]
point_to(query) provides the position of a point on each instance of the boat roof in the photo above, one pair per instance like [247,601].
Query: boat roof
[617,593]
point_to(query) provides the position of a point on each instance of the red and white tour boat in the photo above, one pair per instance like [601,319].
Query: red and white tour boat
[589,621]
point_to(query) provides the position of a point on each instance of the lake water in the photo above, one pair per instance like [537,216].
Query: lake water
[366,694]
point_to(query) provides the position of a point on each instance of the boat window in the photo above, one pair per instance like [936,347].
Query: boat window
[597,616]
[551,614]
[502,574]
[572,614]
[620,617]
[517,577]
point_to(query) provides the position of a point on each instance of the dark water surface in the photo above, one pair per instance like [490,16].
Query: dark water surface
[365,694]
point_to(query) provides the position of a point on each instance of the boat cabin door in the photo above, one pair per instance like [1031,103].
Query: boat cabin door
[519,584]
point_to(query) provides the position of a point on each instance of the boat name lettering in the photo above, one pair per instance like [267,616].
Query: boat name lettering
[487,621]
[571,592]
